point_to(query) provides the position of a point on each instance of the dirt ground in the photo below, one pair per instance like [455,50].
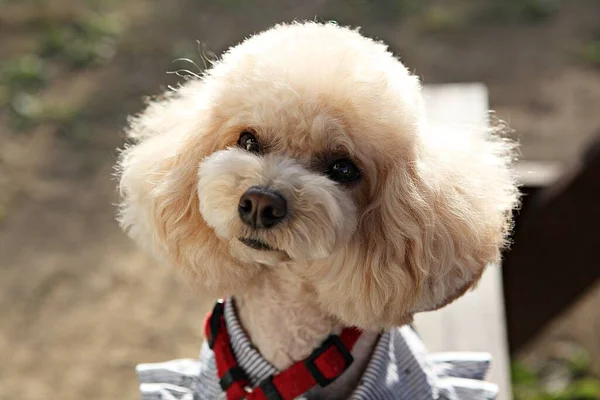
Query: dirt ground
[79,304]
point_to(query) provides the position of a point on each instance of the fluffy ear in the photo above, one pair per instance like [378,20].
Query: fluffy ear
[460,201]
[158,184]
[437,219]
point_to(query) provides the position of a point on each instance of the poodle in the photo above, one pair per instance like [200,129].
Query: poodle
[299,179]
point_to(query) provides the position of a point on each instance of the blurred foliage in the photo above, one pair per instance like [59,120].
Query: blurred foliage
[591,52]
[26,72]
[4,95]
[230,3]
[440,14]
[444,15]
[2,212]
[90,37]
[523,10]
[440,18]
[29,111]
[565,378]
[18,77]
[391,10]
[87,39]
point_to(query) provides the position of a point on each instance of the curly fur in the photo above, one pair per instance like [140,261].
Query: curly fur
[431,210]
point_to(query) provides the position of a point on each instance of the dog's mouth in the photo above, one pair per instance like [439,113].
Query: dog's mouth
[256,244]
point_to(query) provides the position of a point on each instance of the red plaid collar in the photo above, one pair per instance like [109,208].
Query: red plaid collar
[322,367]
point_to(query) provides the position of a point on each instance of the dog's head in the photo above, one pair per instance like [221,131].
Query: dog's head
[306,148]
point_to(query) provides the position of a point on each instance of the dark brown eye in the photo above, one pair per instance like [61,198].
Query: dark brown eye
[249,142]
[343,171]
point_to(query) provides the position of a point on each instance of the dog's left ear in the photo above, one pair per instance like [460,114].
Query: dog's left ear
[438,217]
[459,195]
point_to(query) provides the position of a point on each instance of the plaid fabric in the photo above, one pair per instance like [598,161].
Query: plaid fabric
[400,368]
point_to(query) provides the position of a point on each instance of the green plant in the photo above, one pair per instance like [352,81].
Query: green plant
[98,25]
[54,41]
[24,111]
[90,39]
[523,10]
[591,52]
[568,378]
[82,52]
[28,111]
[439,19]
[4,95]
[26,72]
[229,3]
[84,39]
[391,10]
[2,212]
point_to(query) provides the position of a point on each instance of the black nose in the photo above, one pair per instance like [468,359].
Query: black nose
[261,207]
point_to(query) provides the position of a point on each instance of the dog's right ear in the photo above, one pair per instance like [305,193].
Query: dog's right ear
[156,175]
[158,183]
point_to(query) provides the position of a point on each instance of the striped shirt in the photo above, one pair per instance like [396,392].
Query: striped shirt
[400,368]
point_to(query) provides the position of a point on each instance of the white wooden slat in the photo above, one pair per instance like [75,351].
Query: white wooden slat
[537,174]
[476,321]
[452,104]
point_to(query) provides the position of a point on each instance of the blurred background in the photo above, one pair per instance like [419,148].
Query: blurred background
[80,305]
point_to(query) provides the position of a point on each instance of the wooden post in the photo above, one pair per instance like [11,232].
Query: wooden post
[476,321]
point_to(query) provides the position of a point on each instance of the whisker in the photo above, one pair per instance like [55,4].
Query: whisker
[204,56]
[189,61]
[182,73]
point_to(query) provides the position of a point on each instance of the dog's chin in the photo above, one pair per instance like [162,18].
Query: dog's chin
[252,250]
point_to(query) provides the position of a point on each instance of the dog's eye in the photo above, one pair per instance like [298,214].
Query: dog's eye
[343,171]
[249,142]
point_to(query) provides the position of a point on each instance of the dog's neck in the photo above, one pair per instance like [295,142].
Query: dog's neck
[284,321]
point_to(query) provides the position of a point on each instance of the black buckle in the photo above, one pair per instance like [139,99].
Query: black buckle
[331,341]
[269,389]
[235,374]
[215,322]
